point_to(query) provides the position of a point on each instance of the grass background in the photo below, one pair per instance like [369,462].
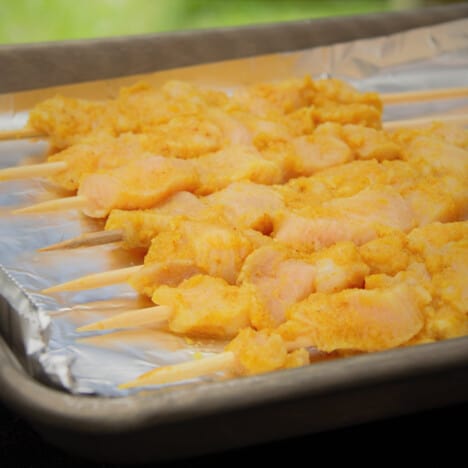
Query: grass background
[49,20]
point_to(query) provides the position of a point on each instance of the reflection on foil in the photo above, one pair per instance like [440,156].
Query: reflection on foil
[41,329]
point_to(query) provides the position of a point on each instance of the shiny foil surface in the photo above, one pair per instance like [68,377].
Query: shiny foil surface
[41,328]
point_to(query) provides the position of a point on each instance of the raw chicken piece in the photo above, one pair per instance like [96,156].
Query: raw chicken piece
[214,249]
[436,258]
[216,171]
[433,155]
[86,157]
[141,184]
[369,143]
[67,120]
[451,134]
[140,226]
[357,218]
[321,149]
[264,351]
[356,319]
[207,306]
[242,205]
[246,205]
[282,277]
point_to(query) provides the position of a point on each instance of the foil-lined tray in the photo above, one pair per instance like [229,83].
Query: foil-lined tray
[200,417]
[41,328]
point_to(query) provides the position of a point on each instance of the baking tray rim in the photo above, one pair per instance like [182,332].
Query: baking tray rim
[96,414]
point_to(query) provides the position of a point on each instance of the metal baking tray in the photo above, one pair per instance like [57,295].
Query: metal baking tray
[203,417]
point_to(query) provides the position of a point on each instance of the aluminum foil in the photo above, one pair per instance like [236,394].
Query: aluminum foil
[41,328]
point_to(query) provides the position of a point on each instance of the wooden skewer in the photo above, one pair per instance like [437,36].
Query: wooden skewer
[424,95]
[32,170]
[68,203]
[186,370]
[461,119]
[222,362]
[132,318]
[96,280]
[90,239]
[21,134]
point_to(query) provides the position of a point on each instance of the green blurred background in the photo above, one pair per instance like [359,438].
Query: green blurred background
[51,20]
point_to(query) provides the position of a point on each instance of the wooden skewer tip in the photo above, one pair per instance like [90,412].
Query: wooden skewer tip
[130,319]
[32,170]
[87,240]
[21,134]
[95,280]
[225,361]
[69,203]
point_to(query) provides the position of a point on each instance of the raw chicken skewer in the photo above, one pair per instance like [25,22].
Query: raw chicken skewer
[42,128]
[141,109]
[357,218]
[244,205]
[270,350]
[65,121]
[438,251]
[247,205]
[329,145]
[211,307]
[190,247]
[145,182]
[391,316]
[405,308]
[187,139]
[347,142]
[192,137]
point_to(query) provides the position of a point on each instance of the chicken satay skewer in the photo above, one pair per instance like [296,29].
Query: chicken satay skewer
[391,317]
[327,224]
[49,169]
[145,182]
[245,205]
[386,207]
[266,270]
[330,145]
[386,98]
[220,250]
[272,353]
[55,117]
